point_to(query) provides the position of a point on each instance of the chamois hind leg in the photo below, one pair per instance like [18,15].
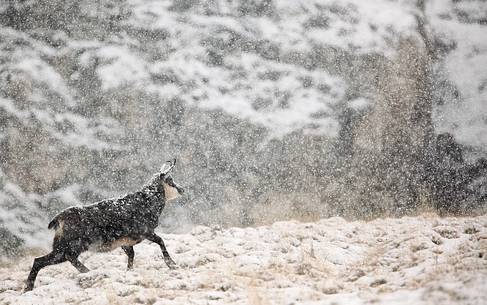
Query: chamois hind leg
[73,259]
[158,240]
[129,250]
[55,257]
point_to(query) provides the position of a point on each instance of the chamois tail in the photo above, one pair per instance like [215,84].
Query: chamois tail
[54,224]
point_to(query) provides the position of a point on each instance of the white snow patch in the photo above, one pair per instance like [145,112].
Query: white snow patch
[466,115]
[121,67]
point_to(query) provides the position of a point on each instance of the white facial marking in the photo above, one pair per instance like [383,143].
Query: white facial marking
[170,192]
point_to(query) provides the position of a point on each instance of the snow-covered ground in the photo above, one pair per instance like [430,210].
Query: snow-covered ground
[413,260]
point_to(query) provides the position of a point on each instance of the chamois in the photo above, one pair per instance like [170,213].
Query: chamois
[109,224]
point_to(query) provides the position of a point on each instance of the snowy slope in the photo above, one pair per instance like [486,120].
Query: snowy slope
[421,260]
[35,92]
[257,65]
[283,67]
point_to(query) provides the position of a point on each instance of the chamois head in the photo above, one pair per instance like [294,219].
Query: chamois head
[171,189]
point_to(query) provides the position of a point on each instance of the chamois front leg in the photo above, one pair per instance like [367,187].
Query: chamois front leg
[73,259]
[129,250]
[158,240]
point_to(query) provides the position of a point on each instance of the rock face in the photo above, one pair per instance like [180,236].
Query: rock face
[334,106]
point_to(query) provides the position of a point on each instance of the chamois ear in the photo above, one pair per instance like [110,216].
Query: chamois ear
[167,167]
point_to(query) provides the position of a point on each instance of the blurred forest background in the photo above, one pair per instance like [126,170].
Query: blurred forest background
[275,109]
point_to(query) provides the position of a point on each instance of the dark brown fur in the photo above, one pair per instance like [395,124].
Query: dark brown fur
[108,224]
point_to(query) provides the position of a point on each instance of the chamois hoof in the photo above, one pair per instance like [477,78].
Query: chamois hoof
[28,287]
[171,264]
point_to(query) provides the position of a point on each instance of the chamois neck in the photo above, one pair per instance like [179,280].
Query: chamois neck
[154,187]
